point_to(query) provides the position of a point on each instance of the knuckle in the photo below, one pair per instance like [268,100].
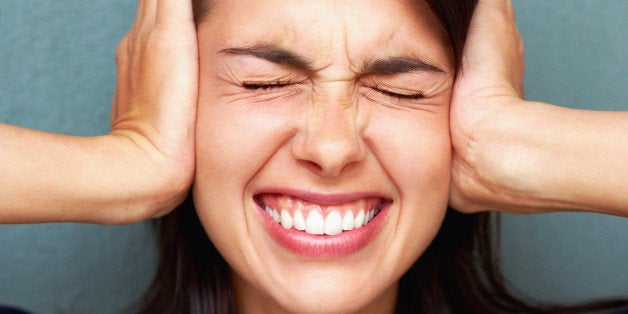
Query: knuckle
[520,44]
[122,51]
[122,45]
[158,41]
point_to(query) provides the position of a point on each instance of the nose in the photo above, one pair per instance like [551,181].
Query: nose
[330,142]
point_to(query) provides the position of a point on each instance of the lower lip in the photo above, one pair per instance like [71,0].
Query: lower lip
[324,246]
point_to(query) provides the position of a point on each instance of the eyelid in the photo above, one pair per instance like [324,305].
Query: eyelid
[255,85]
[400,96]
[268,85]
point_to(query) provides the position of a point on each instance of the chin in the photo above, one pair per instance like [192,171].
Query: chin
[337,295]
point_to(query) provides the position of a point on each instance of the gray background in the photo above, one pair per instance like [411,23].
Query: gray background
[57,73]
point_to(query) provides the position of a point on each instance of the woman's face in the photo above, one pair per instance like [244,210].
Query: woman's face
[323,148]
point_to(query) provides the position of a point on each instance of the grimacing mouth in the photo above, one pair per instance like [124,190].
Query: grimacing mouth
[329,219]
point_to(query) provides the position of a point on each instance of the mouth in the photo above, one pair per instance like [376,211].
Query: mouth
[322,226]
[319,219]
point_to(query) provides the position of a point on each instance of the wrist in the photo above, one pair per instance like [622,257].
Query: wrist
[508,163]
[150,182]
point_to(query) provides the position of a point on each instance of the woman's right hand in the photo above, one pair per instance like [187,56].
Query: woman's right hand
[145,166]
[154,105]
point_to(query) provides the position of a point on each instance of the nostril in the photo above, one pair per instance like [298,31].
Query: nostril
[327,158]
[312,166]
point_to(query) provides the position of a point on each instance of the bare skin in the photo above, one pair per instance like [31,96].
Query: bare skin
[509,154]
[525,157]
[144,167]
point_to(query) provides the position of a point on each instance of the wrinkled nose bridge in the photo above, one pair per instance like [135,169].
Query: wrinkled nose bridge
[334,110]
[331,136]
[333,124]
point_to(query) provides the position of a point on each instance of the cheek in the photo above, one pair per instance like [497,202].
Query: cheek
[233,142]
[415,152]
[414,148]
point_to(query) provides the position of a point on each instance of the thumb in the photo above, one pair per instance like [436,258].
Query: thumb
[493,53]
[175,12]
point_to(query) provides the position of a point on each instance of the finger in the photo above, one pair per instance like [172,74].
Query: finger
[174,11]
[493,43]
[178,36]
[114,110]
[510,9]
[142,23]
[122,77]
[489,22]
[147,14]
[140,14]
[140,11]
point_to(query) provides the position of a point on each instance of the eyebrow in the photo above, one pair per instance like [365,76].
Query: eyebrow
[397,65]
[273,54]
[284,57]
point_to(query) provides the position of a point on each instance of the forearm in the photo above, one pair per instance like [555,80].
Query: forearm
[48,177]
[145,166]
[539,157]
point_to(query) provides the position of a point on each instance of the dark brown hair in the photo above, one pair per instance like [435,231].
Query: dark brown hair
[458,273]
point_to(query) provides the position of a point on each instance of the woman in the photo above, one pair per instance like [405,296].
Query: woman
[304,115]
[122,109]
[323,162]
[488,116]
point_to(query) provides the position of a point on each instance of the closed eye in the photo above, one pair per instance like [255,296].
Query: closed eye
[265,86]
[399,96]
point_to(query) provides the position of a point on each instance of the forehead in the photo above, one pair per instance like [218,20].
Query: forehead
[329,31]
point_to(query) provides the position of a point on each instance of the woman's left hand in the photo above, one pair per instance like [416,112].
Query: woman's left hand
[488,85]
[520,156]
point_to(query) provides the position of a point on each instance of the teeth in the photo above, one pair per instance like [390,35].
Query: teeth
[299,220]
[314,224]
[333,223]
[348,223]
[273,214]
[359,219]
[286,219]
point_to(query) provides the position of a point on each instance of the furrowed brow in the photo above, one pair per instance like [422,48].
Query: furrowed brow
[273,54]
[397,65]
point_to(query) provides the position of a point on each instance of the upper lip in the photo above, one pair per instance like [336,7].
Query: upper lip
[324,199]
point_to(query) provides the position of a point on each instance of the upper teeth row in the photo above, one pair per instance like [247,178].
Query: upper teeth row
[333,224]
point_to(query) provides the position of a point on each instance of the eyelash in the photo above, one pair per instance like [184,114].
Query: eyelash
[388,93]
[266,86]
